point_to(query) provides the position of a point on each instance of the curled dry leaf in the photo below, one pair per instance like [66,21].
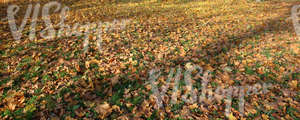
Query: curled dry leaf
[116,108]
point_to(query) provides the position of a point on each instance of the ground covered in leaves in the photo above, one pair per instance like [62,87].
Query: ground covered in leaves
[243,42]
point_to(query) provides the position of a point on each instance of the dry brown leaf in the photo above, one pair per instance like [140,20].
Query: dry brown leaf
[114,80]
[160,56]
[193,106]
[208,67]
[87,63]
[70,118]
[226,78]
[182,52]
[148,87]
[11,106]
[293,84]
[265,117]
[79,113]
[116,108]
[54,118]
[103,110]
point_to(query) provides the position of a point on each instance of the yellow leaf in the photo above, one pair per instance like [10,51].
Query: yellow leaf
[116,108]
[293,84]
[182,52]
[11,106]
[265,117]
[193,106]
[231,117]
[29,108]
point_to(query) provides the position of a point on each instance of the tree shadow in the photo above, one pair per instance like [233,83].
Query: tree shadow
[234,41]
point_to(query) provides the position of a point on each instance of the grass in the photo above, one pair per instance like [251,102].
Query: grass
[251,41]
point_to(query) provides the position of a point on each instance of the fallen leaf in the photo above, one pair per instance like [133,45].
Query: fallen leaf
[293,84]
[11,106]
[103,110]
[114,80]
[231,117]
